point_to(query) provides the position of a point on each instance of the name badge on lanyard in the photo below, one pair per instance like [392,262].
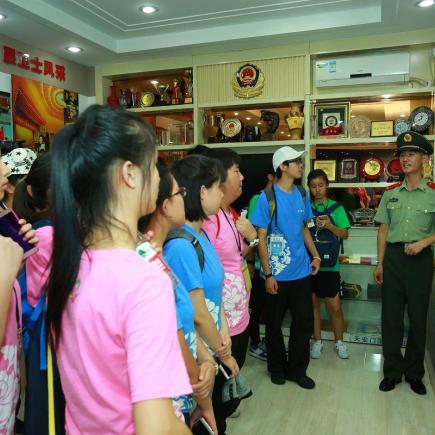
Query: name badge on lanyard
[246,276]
[276,244]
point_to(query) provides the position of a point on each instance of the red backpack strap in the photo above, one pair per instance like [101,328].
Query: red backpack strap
[234,214]
[430,184]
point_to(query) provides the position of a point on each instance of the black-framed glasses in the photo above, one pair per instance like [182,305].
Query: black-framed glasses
[298,161]
[182,191]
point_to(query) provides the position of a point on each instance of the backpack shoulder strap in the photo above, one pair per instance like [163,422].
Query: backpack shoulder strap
[302,191]
[271,200]
[181,233]
[333,207]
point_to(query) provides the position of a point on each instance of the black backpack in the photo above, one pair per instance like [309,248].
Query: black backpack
[327,243]
[181,233]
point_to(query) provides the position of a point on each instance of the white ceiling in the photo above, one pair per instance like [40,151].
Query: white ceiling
[116,30]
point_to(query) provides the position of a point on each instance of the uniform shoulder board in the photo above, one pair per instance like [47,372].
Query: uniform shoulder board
[431,184]
[393,186]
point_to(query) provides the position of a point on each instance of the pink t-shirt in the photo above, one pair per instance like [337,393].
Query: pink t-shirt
[37,265]
[228,244]
[10,364]
[119,342]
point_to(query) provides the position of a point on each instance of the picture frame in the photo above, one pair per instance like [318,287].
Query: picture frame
[331,119]
[382,128]
[329,167]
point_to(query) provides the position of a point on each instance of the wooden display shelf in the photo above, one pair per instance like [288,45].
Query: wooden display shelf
[268,146]
[379,184]
[162,110]
[359,140]
[261,104]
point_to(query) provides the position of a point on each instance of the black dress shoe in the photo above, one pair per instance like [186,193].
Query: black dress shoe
[416,385]
[303,381]
[277,379]
[388,384]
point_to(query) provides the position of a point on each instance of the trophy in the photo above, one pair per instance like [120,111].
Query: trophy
[123,98]
[188,87]
[211,127]
[295,121]
[175,91]
[161,91]
[272,122]
[134,97]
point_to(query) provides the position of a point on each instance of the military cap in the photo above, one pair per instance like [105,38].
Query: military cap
[412,141]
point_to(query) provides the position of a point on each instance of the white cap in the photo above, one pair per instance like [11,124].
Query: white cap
[284,154]
[19,160]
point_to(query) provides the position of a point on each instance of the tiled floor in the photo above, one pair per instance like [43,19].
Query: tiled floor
[346,400]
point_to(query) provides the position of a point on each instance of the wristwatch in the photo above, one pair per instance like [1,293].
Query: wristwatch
[254,243]
[268,275]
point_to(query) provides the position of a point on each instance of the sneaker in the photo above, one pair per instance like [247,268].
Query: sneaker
[316,349]
[341,350]
[258,350]
[235,414]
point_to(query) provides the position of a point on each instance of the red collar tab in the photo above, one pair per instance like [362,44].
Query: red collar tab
[393,186]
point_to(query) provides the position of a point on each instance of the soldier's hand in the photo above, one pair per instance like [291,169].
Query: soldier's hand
[271,286]
[378,274]
[414,248]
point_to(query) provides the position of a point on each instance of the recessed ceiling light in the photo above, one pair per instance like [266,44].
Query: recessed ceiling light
[236,113]
[148,9]
[281,132]
[258,123]
[426,3]
[402,115]
[248,118]
[154,82]
[2,17]
[74,49]
[386,96]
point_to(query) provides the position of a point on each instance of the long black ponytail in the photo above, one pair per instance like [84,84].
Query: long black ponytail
[83,157]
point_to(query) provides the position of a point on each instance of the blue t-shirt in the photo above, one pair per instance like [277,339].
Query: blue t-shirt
[292,262]
[183,260]
[185,321]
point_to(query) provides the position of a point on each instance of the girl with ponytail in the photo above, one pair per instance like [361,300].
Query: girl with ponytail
[110,314]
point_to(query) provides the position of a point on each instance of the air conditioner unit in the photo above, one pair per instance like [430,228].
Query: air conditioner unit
[362,70]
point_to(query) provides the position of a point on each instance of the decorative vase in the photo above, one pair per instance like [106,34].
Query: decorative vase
[295,121]
[112,99]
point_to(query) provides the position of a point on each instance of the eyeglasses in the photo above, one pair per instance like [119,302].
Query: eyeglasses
[298,161]
[182,192]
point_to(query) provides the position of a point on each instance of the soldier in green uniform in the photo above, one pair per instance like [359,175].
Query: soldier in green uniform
[406,215]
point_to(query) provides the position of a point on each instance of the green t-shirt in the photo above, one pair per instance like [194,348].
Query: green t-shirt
[341,220]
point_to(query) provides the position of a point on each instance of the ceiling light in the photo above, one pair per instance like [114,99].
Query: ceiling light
[2,16]
[402,115]
[386,96]
[248,118]
[74,49]
[154,82]
[258,123]
[148,9]
[426,3]
[236,113]
[281,132]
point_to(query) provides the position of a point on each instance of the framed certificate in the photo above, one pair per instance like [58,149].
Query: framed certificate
[382,128]
[328,166]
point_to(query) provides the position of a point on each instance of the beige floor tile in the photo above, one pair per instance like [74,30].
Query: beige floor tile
[346,400]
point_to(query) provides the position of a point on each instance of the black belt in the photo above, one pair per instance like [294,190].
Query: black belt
[399,244]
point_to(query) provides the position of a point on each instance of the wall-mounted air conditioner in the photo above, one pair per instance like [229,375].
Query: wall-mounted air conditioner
[361,70]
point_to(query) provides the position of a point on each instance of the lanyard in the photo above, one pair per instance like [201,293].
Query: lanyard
[235,233]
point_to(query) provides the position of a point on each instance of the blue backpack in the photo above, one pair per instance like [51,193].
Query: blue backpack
[36,413]
[327,243]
